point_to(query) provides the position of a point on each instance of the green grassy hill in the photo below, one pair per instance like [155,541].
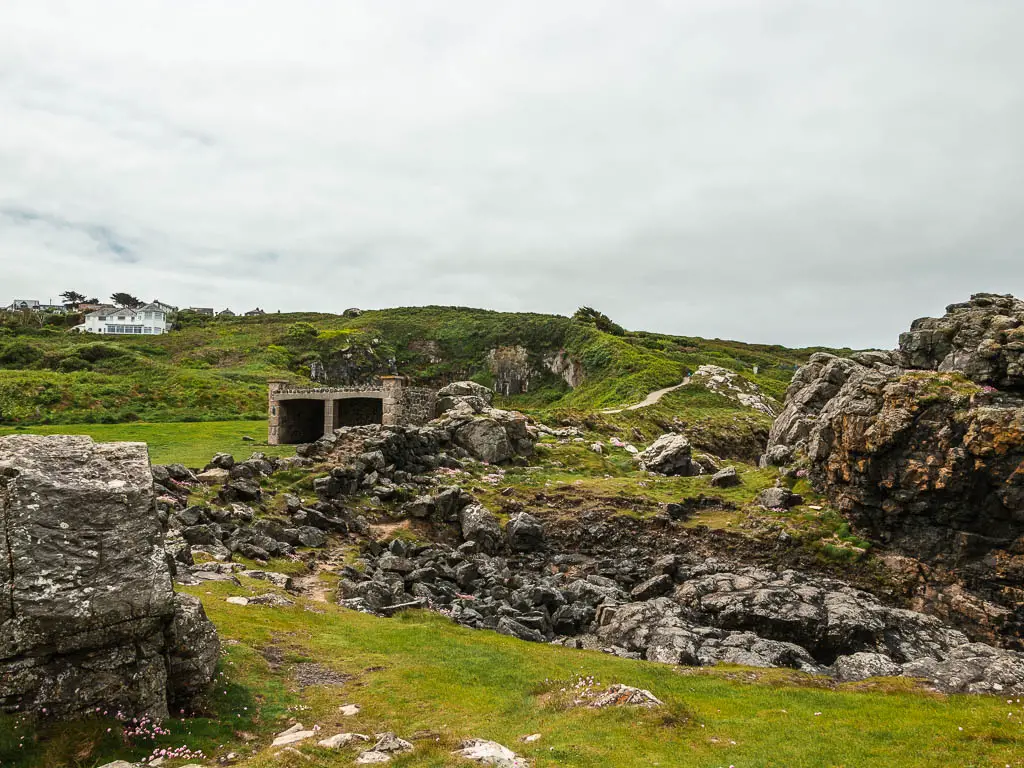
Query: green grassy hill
[216,369]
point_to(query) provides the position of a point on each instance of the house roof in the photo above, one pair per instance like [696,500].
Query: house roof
[108,311]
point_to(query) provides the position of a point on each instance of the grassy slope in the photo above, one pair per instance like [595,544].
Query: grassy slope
[419,673]
[217,369]
[191,443]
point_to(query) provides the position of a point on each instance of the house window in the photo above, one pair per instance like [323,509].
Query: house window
[147,329]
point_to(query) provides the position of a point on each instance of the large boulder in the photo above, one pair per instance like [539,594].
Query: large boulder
[669,455]
[491,435]
[89,616]
[477,396]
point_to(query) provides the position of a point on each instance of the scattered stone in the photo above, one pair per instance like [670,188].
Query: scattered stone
[237,600]
[214,476]
[625,696]
[726,478]
[372,756]
[341,740]
[489,753]
[349,710]
[293,735]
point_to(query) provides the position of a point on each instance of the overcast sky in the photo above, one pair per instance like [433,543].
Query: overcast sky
[815,172]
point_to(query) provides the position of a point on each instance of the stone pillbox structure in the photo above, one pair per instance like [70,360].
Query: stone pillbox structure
[88,614]
[305,414]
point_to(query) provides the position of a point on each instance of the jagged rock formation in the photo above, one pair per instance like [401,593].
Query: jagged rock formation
[88,615]
[923,448]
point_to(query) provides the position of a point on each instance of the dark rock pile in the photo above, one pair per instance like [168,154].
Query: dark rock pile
[88,615]
[672,609]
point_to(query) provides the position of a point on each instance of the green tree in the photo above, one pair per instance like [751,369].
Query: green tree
[599,320]
[72,298]
[126,300]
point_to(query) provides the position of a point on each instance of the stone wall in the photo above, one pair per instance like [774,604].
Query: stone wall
[418,406]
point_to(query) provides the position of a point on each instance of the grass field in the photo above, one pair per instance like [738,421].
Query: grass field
[190,443]
[436,683]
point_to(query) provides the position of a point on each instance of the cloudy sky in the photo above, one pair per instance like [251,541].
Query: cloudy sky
[800,172]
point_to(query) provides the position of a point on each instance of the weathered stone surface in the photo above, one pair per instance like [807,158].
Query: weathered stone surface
[757,617]
[862,665]
[726,478]
[669,455]
[490,753]
[525,532]
[983,338]
[920,450]
[90,617]
[481,526]
[477,396]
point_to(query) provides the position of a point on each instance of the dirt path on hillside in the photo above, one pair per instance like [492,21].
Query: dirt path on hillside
[651,398]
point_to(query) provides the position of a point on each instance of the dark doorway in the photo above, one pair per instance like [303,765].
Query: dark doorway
[302,421]
[355,411]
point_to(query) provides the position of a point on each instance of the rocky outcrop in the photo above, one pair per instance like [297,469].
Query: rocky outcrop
[88,615]
[982,338]
[761,618]
[921,450]
[730,384]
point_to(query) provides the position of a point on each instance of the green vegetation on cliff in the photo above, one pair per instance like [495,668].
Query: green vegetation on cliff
[215,369]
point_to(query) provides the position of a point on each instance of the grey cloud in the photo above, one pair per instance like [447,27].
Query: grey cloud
[789,171]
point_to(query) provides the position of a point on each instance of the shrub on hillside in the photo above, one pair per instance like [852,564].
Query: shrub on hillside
[72,363]
[301,332]
[100,351]
[599,320]
[19,354]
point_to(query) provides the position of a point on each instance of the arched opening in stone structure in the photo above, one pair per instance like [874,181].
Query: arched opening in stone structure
[356,411]
[301,421]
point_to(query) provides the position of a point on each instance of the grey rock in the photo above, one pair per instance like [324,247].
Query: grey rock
[525,532]
[862,665]
[311,537]
[726,478]
[669,455]
[778,498]
[90,618]
[479,525]
[653,587]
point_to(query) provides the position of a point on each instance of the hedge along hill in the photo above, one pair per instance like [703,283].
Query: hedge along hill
[216,369]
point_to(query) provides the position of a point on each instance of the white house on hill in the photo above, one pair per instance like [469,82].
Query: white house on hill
[149,320]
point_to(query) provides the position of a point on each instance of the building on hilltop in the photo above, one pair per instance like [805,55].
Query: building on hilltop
[225,313]
[208,311]
[149,320]
[253,312]
[20,304]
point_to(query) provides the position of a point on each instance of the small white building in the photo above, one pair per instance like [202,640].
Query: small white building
[150,320]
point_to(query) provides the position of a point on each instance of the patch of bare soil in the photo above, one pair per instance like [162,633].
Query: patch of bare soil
[311,673]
